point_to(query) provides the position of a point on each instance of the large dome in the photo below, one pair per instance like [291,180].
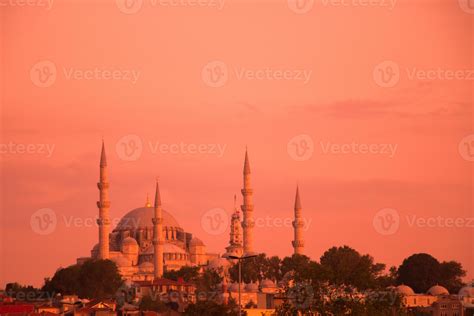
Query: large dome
[142,218]
[438,290]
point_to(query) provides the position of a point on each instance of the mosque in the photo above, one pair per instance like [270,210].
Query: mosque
[148,240]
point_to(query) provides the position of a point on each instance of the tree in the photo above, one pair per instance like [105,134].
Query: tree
[189,274]
[209,308]
[93,279]
[147,303]
[421,271]
[345,266]
[65,281]
[451,274]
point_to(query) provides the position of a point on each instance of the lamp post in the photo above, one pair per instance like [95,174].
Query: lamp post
[247,255]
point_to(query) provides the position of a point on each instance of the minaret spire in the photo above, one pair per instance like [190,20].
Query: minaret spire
[247,207]
[298,223]
[158,240]
[104,205]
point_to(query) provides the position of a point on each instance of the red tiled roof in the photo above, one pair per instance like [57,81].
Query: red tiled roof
[16,308]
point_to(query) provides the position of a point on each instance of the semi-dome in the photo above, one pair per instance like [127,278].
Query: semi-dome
[146,267]
[405,290]
[234,287]
[467,291]
[267,283]
[171,248]
[129,241]
[121,261]
[142,217]
[438,290]
[196,242]
[251,287]
[218,263]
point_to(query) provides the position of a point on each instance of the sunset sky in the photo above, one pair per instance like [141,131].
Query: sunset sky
[366,106]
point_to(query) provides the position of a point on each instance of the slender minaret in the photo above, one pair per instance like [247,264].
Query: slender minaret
[247,208]
[104,205]
[298,242]
[158,241]
[235,242]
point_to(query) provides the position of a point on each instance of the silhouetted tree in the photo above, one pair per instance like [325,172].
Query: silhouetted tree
[345,266]
[92,279]
[421,271]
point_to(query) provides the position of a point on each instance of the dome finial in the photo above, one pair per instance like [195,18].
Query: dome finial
[148,204]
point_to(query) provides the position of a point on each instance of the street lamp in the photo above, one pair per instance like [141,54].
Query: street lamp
[246,255]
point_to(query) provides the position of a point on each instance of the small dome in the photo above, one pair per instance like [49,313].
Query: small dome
[121,261]
[438,290]
[267,283]
[218,263]
[129,241]
[234,287]
[251,287]
[404,290]
[467,291]
[96,247]
[146,267]
[196,242]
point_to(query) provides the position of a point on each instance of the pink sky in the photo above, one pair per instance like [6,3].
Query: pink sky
[172,102]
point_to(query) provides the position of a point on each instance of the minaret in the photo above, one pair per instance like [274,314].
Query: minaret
[235,242]
[298,242]
[247,208]
[104,205]
[158,241]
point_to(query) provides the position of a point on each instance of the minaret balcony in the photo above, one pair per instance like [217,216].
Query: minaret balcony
[103,204]
[297,243]
[157,221]
[246,191]
[298,223]
[103,185]
[103,221]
